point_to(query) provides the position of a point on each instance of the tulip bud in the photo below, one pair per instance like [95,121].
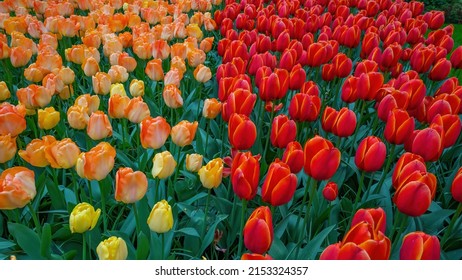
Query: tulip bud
[163,165]
[420,246]
[211,174]
[193,162]
[83,217]
[330,191]
[130,186]
[245,175]
[113,248]
[160,219]
[17,187]
[258,230]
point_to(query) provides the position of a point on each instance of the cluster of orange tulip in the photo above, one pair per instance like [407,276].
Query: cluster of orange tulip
[333,124]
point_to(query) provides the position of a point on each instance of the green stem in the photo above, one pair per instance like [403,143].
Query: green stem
[204,226]
[358,193]
[387,168]
[84,246]
[358,125]
[163,246]
[207,137]
[137,219]
[268,137]
[241,233]
[305,220]
[34,218]
[305,196]
[199,90]
[448,231]
[103,205]
[402,227]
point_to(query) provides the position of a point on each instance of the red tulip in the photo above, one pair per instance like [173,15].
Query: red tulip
[370,41]
[330,191]
[349,89]
[440,70]
[422,59]
[321,158]
[427,143]
[279,185]
[283,131]
[342,65]
[420,246]
[241,132]
[293,156]
[456,58]
[297,77]
[452,127]
[376,217]
[274,86]
[348,251]
[370,154]
[240,101]
[399,127]
[258,230]
[255,257]
[374,242]
[456,187]
[245,175]
[368,85]
[345,123]
[413,199]
[304,107]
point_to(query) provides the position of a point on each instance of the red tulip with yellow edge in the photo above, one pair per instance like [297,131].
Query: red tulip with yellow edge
[258,230]
[420,246]
[293,156]
[321,158]
[413,198]
[348,251]
[17,187]
[130,186]
[97,162]
[245,175]
[399,127]
[154,132]
[279,185]
[239,101]
[255,257]
[283,131]
[330,191]
[456,186]
[370,154]
[242,132]
[304,107]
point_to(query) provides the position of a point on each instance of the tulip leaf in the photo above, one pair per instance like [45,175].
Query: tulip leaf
[5,244]
[433,221]
[211,232]
[313,247]
[278,250]
[27,239]
[45,244]
[188,231]
[57,199]
[142,247]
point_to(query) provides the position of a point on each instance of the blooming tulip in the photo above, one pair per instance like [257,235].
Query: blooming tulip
[17,187]
[97,162]
[154,132]
[163,165]
[113,248]
[130,186]
[83,218]
[211,174]
[61,154]
[183,133]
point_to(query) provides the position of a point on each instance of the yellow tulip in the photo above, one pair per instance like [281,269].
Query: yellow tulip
[4,91]
[48,118]
[212,173]
[83,217]
[118,89]
[193,162]
[113,248]
[161,218]
[136,88]
[164,165]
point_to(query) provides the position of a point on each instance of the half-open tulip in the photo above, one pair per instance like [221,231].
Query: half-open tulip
[258,230]
[211,174]
[160,219]
[130,186]
[279,185]
[420,246]
[12,119]
[113,248]
[61,154]
[183,133]
[48,118]
[83,218]
[99,126]
[17,187]
[321,158]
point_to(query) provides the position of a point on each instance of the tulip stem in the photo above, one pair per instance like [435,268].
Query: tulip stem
[103,205]
[84,247]
[207,123]
[402,227]
[448,231]
[199,90]
[358,126]
[305,196]
[312,188]
[137,219]
[268,136]
[241,233]
[34,218]
[204,226]
[163,245]
[387,168]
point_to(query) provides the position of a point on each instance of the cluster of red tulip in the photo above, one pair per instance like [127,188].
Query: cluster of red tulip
[342,118]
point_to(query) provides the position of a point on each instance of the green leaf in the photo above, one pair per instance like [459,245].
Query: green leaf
[27,239]
[278,249]
[313,247]
[211,232]
[45,244]
[5,244]
[188,231]
[142,250]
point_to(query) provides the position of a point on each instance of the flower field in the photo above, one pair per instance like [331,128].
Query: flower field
[210,129]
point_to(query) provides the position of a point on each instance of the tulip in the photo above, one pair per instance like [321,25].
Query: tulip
[274,86]
[136,88]
[77,116]
[137,110]
[91,102]
[212,107]
[7,148]
[330,191]
[154,70]
[113,248]
[254,257]
[163,165]
[99,126]
[456,58]
[240,101]
[427,143]
[376,217]
[35,151]
[48,118]
[20,56]
[17,187]
[422,59]
[304,107]
[241,132]
[297,77]
[154,132]
[202,73]
[193,162]
[456,186]
[160,219]
[420,246]
[116,106]
[293,156]
[183,133]
[345,123]
[211,174]
[258,230]
[283,131]
[321,158]
[342,65]
[97,162]
[34,96]
[413,198]
[279,185]
[440,70]
[83,218]
[399,127]
[61,154]
[370,154]
[4,91]
[348,251]
[329,117]
[130,186]
[245,175]
[172,96]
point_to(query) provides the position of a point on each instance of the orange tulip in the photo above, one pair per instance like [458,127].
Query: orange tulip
[62,154]
[420,246]
[34,96]
[7,148]
[97,162]
[196,57]
[172,96]
[160,49]
[183,133]
[116,106]
[91,102]
[258,230]
[101,83]
[77,116]
[17,187]
[202,73]
[137,110]
[212,107]
[321,158]
[279,185]
[118,74]
[99,126]
[154,132]
[35,151]
[12,119]
[154,70]
[241,132]
[130,185]
[20,56]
